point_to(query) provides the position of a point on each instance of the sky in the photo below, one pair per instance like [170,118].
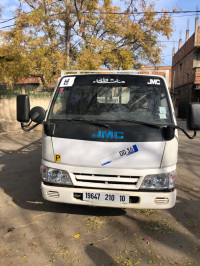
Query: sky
[180,24]
[180,21]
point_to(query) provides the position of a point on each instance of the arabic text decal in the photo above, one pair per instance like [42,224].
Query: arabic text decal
[108,81]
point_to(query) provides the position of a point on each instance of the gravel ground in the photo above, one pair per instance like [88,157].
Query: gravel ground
[34,231]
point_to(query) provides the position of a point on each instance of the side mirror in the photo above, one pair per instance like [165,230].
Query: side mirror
[193,117]
[25,115]
[37,114]
[168,132]
[23,108]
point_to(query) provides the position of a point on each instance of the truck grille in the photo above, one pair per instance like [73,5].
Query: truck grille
[106,181]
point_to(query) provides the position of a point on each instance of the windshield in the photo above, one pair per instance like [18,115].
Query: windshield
[111,98]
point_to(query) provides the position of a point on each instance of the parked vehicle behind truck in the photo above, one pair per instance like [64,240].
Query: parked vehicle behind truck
[109,139]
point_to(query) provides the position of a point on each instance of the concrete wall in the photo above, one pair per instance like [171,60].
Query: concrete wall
[8,120]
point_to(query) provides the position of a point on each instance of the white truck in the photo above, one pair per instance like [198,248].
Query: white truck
[109,139]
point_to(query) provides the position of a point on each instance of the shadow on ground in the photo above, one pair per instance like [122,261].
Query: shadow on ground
[21,181]
[68,234]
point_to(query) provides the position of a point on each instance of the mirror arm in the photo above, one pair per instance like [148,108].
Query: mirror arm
[24,127]
[183,130]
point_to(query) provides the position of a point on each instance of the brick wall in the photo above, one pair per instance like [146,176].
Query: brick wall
[183,72]
[198,37]
[184,50]
[183,69]
[186,73]
[197,76]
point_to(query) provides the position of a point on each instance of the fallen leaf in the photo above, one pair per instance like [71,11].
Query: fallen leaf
[146,240]
[7,235]
[11,229]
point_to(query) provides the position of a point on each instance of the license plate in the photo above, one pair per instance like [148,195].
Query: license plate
[106,197]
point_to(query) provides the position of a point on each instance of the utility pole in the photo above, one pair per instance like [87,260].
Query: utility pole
[67,34]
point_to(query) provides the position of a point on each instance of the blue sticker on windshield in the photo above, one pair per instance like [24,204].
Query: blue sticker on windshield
[120,154]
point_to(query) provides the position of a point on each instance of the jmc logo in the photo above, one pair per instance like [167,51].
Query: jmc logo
[109,135]
[154,82]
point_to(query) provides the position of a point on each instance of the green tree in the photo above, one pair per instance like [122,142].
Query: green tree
[122,40]
[80,34]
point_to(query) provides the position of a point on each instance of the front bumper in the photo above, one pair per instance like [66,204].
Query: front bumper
[145,200]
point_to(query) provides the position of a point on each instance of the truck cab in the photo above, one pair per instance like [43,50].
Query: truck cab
[109,139]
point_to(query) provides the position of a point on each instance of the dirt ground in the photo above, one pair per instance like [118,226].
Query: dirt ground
[37,232]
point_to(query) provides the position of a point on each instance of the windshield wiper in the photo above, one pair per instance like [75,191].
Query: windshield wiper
[91,122]
[168,128]
[141,123]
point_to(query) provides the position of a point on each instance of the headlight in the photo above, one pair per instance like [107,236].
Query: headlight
[55,176]
[159,181]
